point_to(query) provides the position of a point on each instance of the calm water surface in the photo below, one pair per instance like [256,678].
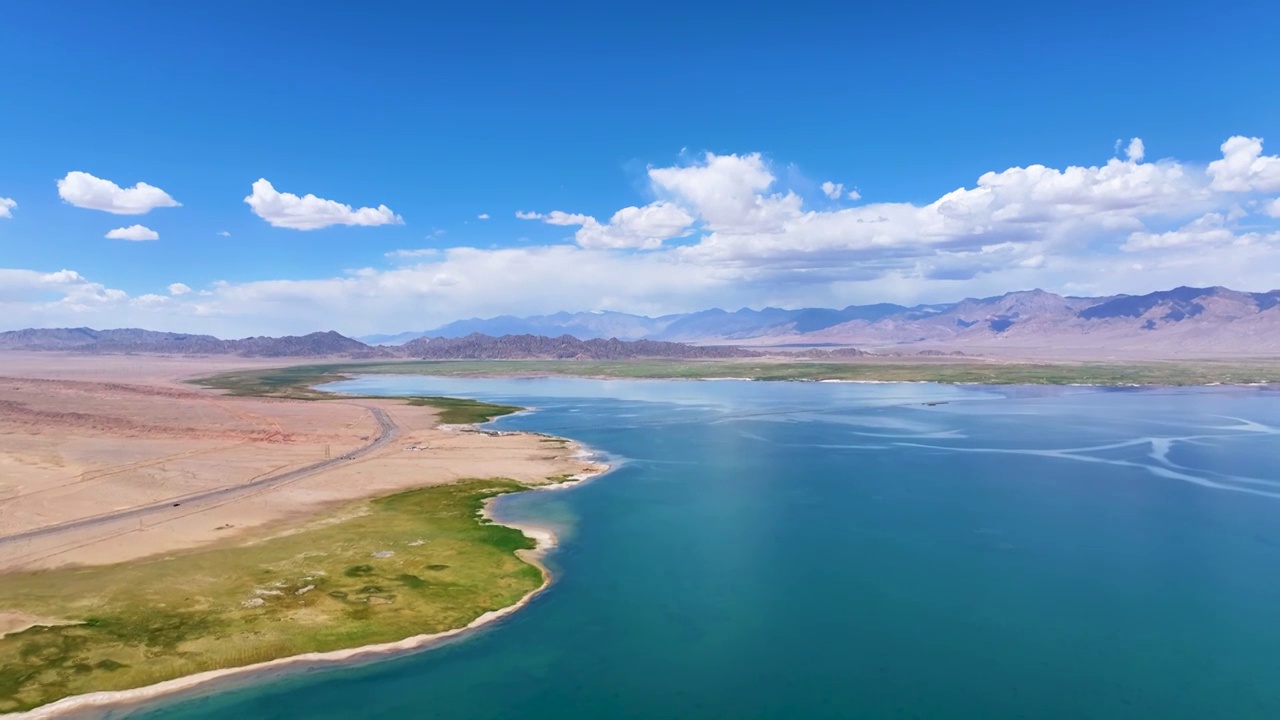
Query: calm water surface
[822,550]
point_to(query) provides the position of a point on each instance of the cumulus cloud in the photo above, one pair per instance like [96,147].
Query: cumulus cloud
[636,227]
[136,233]
[1243,167]
[150,300]
[482,216]
[1205,231]
[223,233]
[1271,208]
[310,212]
[556,217]
[728,193]
[6,207]
[854,195]
[1040,208]
[1136,150]
[833,190]
[179,289]
[1126,225]
[26,294]
[631,227]
[413,253]
[86,191]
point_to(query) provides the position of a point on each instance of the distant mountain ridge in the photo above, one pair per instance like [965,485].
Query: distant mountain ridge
[1181,320]
[332,344]
[566,347]
[714,323]
[127,340]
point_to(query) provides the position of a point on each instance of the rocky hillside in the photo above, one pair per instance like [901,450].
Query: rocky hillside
[332,344]
[507,347]
[1172,323]
[1182,322]
[131,340]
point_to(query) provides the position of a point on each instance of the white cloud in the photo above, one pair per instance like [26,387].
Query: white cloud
[6,207]
[1205,231]
[135,233]
[727,193]
[1271,208]
[86,191]
[413,253]
[223,233]
[1136,150]
[636,227]
[482,216]
[556,217]
[631,227]
[1041,208]
[179,289]
[27,294]
[833,190]
[310,212]
[150,300]
[854,195]
[1243,167]
[1123,226]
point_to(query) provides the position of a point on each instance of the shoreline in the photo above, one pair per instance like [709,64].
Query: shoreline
[105,704]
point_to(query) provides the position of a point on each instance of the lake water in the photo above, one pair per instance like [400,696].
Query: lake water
[824,550]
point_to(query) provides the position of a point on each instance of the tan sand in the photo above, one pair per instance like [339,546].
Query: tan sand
[84,436]
[13,622]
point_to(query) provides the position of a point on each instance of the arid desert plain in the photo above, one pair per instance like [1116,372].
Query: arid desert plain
[107,459]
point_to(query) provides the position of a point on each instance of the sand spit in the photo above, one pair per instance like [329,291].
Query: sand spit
[16,622]
[139,437]
[103,704]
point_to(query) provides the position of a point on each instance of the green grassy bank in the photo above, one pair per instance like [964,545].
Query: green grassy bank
[297,382]
[413,563]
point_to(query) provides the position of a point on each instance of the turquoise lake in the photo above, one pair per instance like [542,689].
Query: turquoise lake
[837,550]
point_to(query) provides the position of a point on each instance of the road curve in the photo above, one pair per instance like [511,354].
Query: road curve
[387,431]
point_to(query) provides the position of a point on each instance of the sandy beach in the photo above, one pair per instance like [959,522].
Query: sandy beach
[86,438]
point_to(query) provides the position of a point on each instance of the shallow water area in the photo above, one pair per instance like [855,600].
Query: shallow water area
[834,550]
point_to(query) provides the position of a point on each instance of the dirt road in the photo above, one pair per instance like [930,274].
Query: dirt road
[197,502]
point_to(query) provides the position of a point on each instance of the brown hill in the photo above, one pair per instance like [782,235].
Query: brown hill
[133,340]
[566,347]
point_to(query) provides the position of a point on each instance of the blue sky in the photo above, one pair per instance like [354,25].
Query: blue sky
[718,124]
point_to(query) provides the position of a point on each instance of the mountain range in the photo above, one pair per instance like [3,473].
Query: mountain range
[1185,320]
[126,340]
[331,344]
[1182,322]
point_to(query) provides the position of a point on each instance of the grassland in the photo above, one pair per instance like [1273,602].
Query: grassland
[295,383]
[413,563]
[298,381]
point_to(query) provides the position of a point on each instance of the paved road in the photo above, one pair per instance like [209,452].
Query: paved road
[186,504]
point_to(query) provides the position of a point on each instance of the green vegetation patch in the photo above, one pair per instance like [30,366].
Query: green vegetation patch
[413,563]
[881,370]
[297,382]
[455,411]
[294,383]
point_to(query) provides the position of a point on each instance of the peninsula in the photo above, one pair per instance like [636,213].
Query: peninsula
[151,530]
